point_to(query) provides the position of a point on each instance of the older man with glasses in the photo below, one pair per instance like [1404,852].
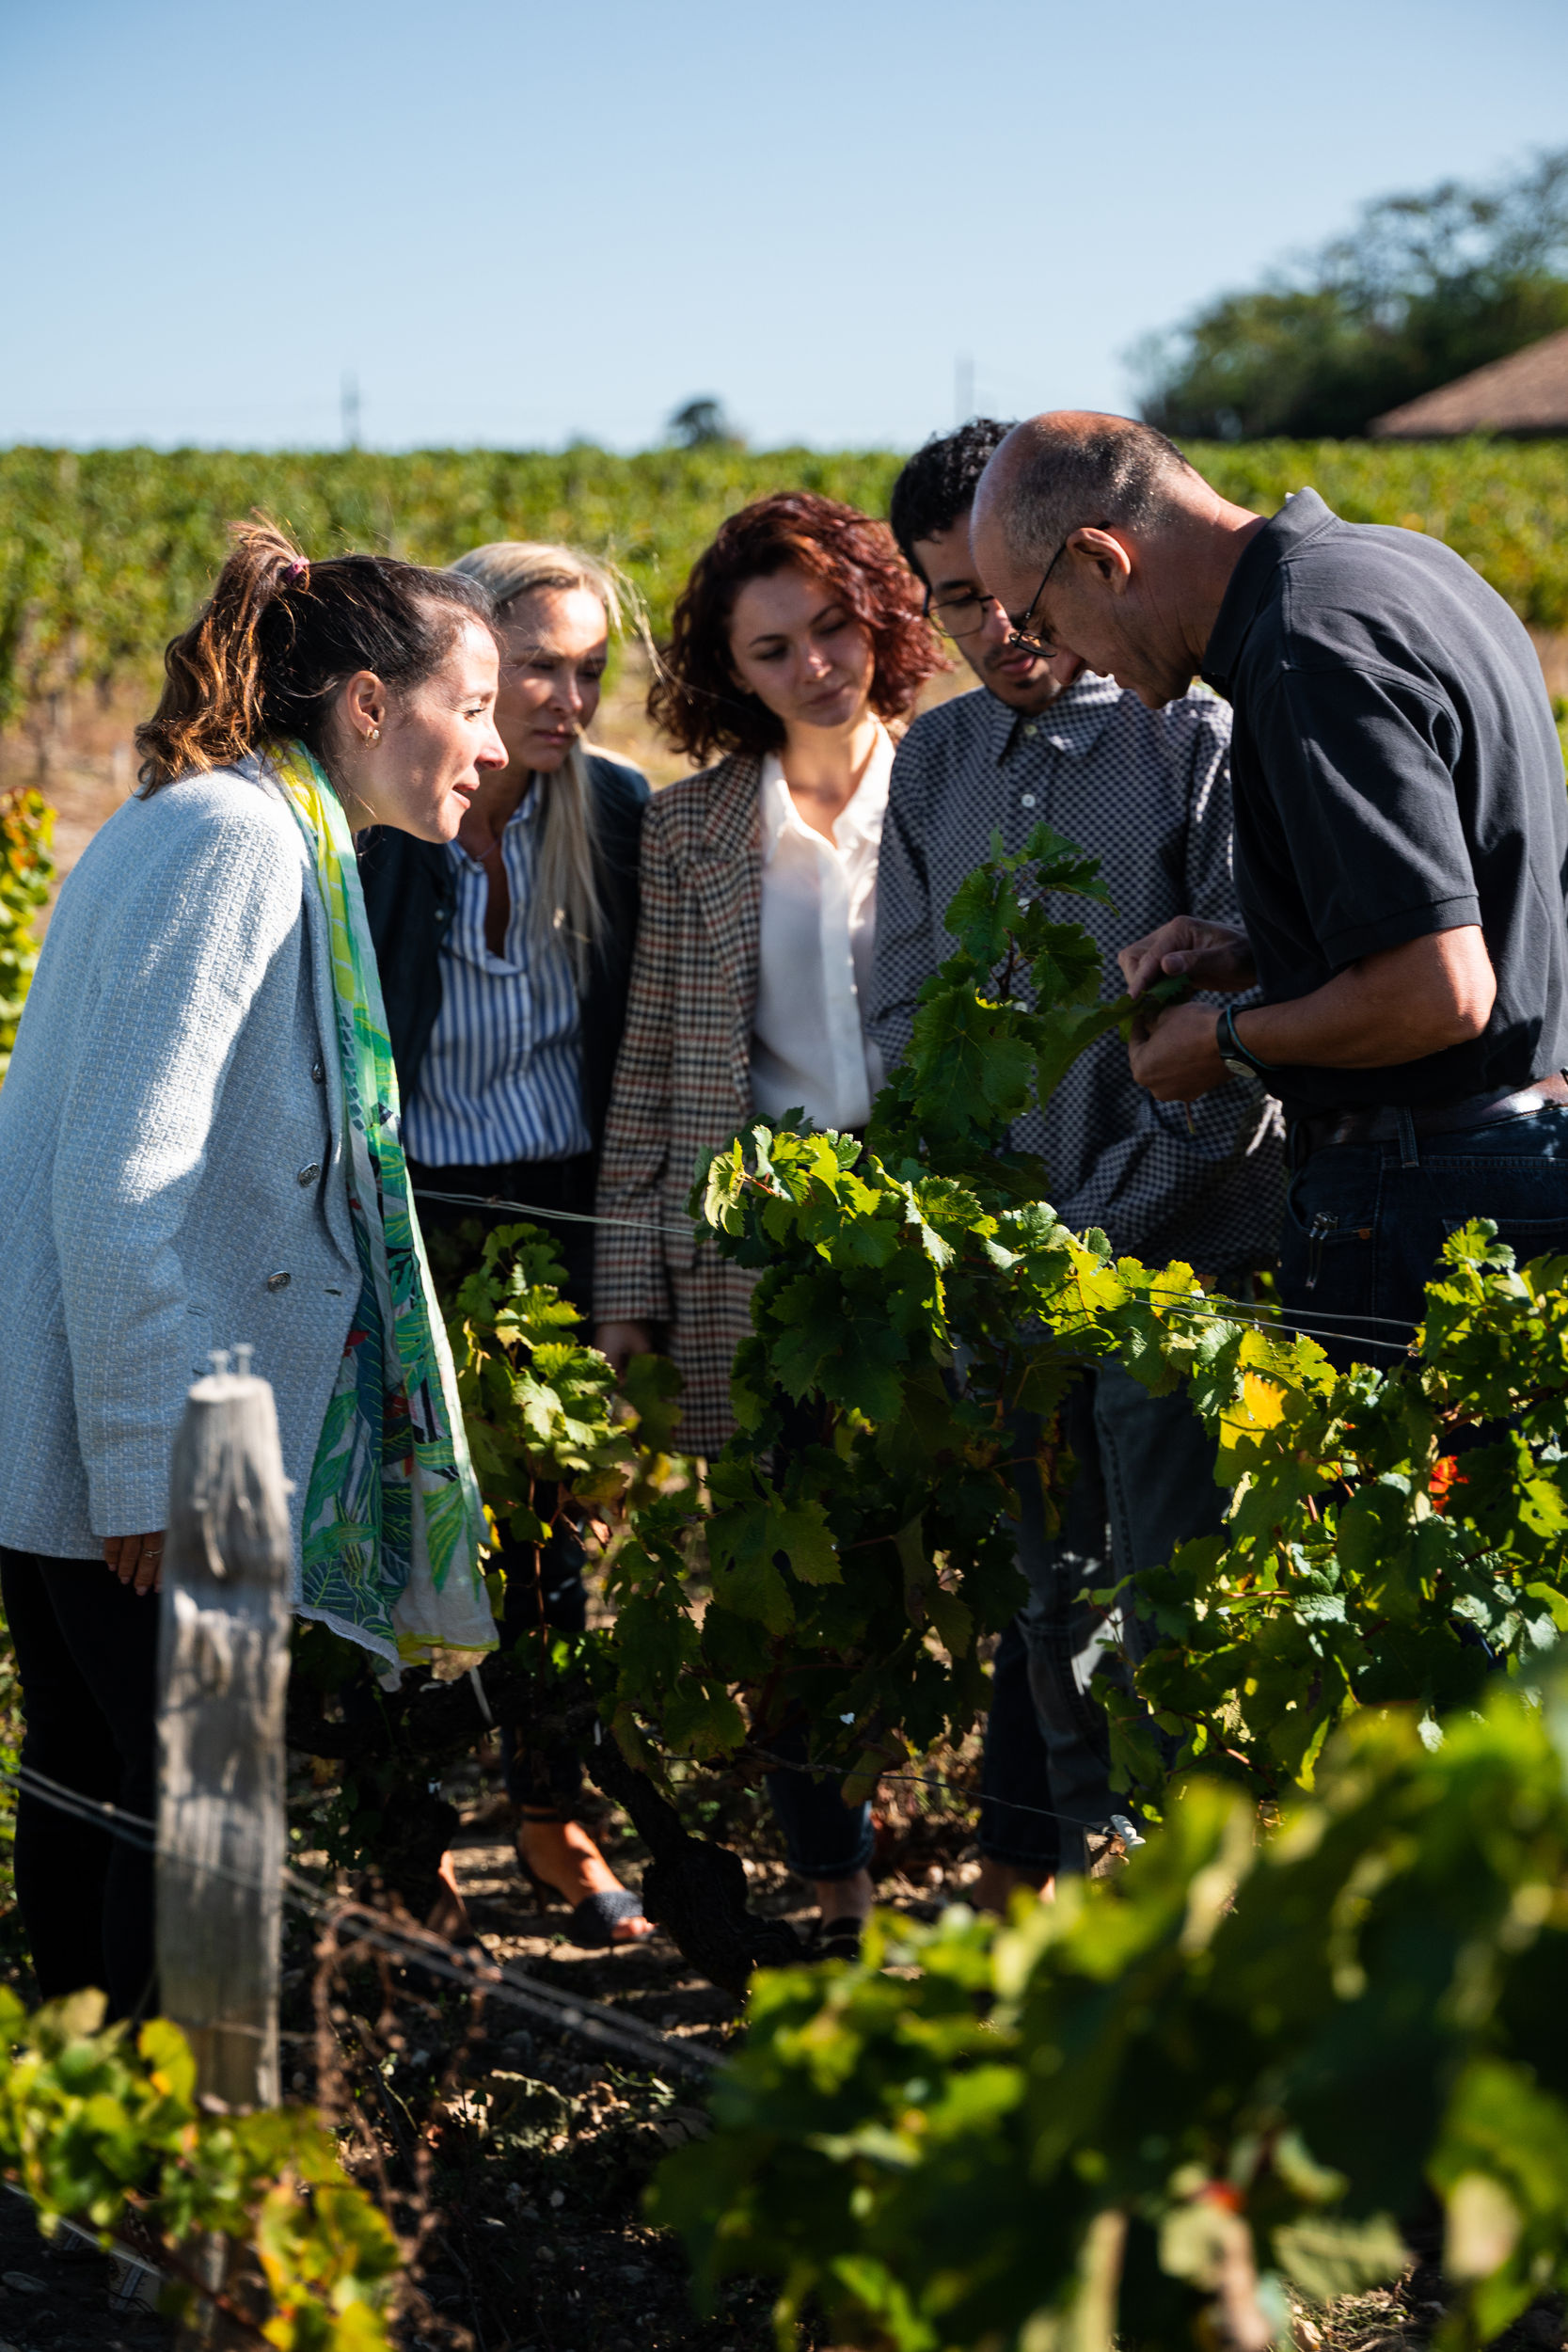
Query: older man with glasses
[1048,741]
[1401,846]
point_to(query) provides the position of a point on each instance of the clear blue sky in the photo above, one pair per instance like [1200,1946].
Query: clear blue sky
[516,222]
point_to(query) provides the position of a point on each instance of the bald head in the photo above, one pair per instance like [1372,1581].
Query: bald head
[1073,466]
[1099,540]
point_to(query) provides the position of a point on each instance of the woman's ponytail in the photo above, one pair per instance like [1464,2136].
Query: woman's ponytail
[210,712]
[279,634]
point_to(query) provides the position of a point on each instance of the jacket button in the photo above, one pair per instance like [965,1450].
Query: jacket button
[318,1072]
[278,1281]
[308,1175]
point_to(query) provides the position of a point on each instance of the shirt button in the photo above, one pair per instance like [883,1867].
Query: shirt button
[317,1074]
[278,1281]
[1027,799]
[308,1175]
[1031,729]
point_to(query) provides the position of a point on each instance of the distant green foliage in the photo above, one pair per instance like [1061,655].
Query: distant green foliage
[26,825]
[1502,505]
[1424,289]
[104,554]
[1138,2116]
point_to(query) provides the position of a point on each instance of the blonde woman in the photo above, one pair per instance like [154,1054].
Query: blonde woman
[505,957]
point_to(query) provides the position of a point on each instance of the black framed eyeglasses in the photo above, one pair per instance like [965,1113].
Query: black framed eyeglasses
[962,615]
[1018,632]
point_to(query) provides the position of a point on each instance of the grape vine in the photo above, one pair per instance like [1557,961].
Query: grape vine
[1250,2070]
[95,2120]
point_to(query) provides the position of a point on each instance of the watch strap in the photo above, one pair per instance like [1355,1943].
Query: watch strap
[1232,1050]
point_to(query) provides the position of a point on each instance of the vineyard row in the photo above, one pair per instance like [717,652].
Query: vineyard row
[104,553]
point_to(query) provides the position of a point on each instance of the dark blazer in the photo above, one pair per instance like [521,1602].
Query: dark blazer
[411,896]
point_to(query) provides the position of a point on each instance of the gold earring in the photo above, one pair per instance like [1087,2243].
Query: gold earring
[375,736]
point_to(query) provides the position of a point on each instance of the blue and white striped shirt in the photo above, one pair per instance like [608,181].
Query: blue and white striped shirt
[501,1078]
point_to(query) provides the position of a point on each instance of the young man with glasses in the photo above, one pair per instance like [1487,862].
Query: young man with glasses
[1048,741]
[1401,846]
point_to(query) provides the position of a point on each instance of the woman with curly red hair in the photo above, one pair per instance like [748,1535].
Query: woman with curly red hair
[797,640]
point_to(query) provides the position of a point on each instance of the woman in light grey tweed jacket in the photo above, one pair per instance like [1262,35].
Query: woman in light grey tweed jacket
[172,1154]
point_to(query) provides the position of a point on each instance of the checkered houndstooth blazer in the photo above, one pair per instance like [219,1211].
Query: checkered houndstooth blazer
[683,1082]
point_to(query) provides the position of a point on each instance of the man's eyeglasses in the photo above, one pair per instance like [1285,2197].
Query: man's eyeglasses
[1020,633]
[961,615]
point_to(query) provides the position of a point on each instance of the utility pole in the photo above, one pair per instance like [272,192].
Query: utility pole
[351,409]
[963,390]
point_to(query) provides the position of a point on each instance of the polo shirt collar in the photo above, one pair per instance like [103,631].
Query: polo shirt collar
[1301,518]
[1073,722]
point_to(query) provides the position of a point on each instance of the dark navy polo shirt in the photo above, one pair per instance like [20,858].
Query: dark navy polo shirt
[1396,771]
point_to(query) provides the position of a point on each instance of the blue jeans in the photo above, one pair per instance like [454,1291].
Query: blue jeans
[1017,1821]
[825,1838]
[1365,1223]
[1144,1483]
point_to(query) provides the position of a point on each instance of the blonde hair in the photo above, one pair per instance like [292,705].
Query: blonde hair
[566,898]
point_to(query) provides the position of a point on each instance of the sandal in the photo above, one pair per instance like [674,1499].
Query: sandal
[594,1919]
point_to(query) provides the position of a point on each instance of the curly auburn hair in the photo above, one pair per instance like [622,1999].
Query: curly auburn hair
[695,700]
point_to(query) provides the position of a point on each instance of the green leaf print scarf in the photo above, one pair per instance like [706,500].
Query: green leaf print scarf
[393,1521]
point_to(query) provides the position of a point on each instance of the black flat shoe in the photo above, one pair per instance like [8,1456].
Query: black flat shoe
[836,1939]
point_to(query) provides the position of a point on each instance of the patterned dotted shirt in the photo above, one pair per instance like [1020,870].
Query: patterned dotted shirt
[1147,793]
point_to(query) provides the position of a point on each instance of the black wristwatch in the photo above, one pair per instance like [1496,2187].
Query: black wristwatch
[1237,1058]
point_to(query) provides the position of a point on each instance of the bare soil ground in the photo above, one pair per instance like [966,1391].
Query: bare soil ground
[543,2146]
[512,2156]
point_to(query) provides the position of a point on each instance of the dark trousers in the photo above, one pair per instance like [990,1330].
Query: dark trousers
[1017,1821]
[544,1589]
[86,1649]
[543,1581]
[1142,1483]
[537,1185]
[825,1838]
[1365,1223]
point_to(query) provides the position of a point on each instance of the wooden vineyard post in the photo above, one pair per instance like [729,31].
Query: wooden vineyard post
[223,1670]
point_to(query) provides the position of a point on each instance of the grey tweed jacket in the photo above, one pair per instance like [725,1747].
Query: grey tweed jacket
[171,1167]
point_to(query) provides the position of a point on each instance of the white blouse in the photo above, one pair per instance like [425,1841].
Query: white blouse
[818,932]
